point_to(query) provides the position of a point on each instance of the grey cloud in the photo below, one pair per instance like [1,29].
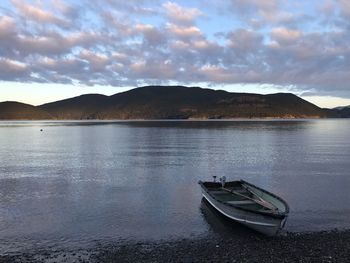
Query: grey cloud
[255,5]
[153,36]
[97,62]
[344,7]
[50,43]
[257,14]
[260,10]
[13,70]
[132,6]
[244,40]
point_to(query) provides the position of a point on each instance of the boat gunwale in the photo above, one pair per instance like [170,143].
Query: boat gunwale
[272,194]
[278,215]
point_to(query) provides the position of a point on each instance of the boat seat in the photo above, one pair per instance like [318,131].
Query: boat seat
[218,192]
[241,191]
[241,202]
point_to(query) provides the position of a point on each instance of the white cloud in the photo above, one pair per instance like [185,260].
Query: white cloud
[179,14]
[184,31]
[285,35]
[7,27]
[38,14]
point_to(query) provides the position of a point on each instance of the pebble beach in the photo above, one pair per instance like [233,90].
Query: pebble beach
[328,246]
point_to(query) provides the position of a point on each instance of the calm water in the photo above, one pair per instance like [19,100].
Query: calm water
[76,183]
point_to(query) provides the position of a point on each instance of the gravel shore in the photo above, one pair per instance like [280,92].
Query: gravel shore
[333,246]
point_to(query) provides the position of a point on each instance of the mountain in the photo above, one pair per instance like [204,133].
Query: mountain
[83,107]
[11,110]
[343,112]
[178,102]
[342,107]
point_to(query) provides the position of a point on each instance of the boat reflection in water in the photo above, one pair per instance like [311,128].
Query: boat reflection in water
[222,225]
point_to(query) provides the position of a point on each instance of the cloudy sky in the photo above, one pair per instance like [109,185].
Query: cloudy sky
[53,49]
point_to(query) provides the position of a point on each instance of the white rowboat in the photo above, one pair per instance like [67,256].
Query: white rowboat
[247,204]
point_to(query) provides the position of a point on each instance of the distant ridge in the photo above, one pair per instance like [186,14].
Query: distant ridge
[343,112]
[170,102]
[83,107]
[11,110]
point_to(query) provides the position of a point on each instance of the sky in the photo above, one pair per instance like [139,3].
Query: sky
[55,49]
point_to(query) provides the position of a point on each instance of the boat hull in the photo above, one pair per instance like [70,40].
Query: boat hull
[266,225]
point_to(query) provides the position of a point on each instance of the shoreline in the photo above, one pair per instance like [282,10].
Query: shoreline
[167,120]
[325,246]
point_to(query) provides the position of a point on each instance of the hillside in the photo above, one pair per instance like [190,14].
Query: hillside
[10,110]
[177,102]
[173,102]
[343,112]
[82,107]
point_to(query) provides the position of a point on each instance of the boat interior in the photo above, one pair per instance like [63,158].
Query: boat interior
[237,194]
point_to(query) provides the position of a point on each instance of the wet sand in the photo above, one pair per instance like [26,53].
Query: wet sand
[332,246]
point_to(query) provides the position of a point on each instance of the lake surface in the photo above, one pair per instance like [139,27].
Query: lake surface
[76,183]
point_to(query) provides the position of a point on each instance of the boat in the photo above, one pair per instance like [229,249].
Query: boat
[247,204]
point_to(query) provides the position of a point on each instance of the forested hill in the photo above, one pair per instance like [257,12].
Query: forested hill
[169,102]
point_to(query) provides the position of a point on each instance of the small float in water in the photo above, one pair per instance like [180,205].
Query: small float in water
[247,204]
